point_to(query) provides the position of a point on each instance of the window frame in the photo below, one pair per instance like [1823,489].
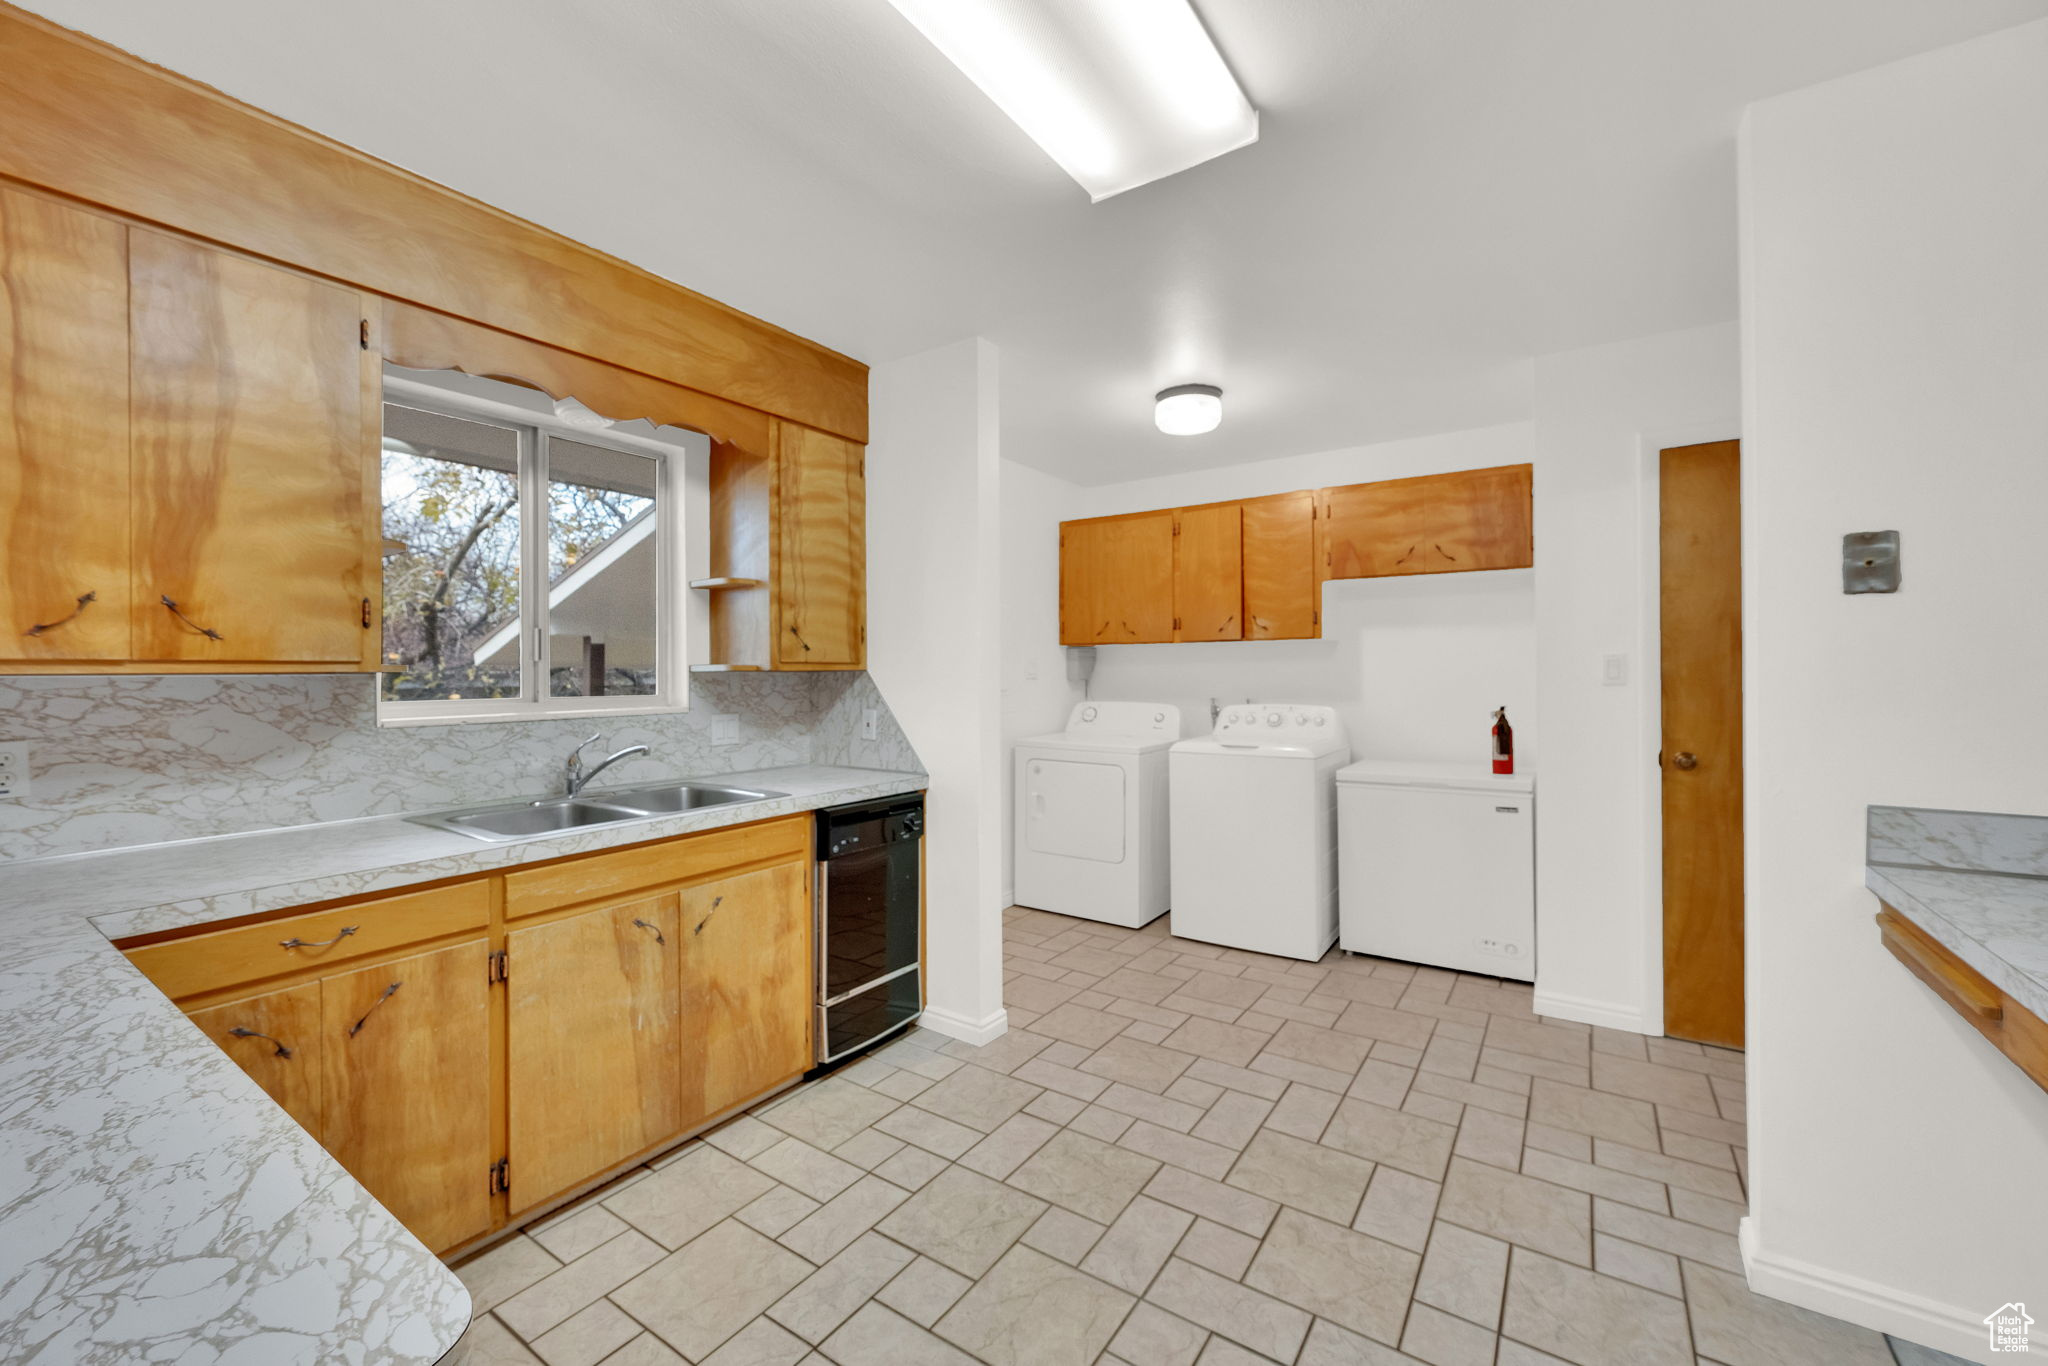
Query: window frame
[536,647]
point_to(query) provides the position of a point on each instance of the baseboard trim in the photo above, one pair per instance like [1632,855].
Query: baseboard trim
[1584,1010]
[977,1032]
[1901,1313]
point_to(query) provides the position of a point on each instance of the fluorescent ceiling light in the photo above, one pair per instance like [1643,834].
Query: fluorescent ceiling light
[1118,92]
[1188,409]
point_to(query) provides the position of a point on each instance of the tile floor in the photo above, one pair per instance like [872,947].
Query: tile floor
[1183,1154]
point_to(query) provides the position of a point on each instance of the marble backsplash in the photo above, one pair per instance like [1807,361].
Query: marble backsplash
[1970,841]
[119,761]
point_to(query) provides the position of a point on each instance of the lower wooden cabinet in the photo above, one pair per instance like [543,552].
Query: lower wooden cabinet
[276,1038]
[593,1041]
[407,1107]
[746,985]
[474,1050]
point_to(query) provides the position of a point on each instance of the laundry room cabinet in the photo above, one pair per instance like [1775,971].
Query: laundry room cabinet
[1116,580]
[1433,524]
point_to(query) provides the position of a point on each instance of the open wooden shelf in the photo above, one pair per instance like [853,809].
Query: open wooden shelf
[721,583]
[726,669]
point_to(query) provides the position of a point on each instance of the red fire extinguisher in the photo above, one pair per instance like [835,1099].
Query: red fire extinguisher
[1503,742]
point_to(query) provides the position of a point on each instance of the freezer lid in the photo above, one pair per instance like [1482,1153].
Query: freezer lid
[1460,777]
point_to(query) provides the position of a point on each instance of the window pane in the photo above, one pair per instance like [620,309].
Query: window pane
[451,557]
[603,571]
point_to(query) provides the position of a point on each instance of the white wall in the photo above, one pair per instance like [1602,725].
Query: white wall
[1414,665]
[934,649]
[1896,356]
[1600,415]
[1036,695]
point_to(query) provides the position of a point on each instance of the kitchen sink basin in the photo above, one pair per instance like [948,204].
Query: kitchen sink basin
[582,813]
[673,797]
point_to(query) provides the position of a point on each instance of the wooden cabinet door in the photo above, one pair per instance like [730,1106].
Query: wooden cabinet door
[746,986]
[251,460]
[1208,573]
[593,1042]
[1116,580]
[1281,590]
[1478,519]
[1372,530]
[63,432]
[277,1039]
[407,1098]
[820,566]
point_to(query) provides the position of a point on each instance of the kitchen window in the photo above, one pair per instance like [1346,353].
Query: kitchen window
[531,557]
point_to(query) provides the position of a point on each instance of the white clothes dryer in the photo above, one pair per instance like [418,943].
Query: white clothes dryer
[1091,813]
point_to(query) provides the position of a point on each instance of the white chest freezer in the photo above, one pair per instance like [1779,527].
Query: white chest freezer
[1437,865]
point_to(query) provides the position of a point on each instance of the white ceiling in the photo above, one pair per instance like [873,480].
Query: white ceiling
[1441,189]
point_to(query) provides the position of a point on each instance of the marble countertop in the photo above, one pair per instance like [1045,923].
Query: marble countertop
[1977,882]
[155,1205]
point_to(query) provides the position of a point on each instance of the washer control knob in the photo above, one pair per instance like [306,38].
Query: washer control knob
[1319,720]
[1272,718]
[1087,713]
[1158,718]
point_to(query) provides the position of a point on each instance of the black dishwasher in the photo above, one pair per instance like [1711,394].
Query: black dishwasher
[870,926]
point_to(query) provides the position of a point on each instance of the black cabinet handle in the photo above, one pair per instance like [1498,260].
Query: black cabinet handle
[206,631]
[642,924]
[242,1033]
[296,943]
[85,600]
[389,992]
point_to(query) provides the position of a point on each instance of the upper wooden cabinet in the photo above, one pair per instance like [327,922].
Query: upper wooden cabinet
[63,432]
[1253,570]
[818,561]
[788,553]
[251,460]
[1117,580]
[1208,573]
[1434,524]
[1282,592]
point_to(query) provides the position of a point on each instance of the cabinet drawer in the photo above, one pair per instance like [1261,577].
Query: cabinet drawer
[250,953]
[683,859]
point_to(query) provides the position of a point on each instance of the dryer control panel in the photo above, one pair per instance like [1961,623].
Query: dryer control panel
[1126,718]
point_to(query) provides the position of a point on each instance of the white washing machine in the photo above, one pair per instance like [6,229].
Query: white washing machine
[1438,865]
[1255,830]
[1091,813]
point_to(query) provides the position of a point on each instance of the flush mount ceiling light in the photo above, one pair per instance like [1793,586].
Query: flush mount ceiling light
[1188,409]
[1119,94]
[578,414]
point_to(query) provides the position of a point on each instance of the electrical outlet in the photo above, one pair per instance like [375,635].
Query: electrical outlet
[725,730]
[14,770]
[870,724]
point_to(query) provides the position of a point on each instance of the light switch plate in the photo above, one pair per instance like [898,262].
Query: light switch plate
[1614,671]
[725,730]
[870,724]
[1870,562]
[13,770]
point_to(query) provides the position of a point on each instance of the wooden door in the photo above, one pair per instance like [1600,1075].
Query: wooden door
[1477,519]
[1208,573]
[1116,580]
[1372,530]
[593,1042]
[821,552]
[250,460]
[746,996]
[1700,601]
[1281,590]
[407,1103]
[277,1039]
[63,432]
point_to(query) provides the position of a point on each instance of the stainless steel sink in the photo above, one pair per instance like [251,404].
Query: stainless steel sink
[670,798]
[528,819]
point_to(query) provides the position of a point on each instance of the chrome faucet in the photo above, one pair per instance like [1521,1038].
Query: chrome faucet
[578,776]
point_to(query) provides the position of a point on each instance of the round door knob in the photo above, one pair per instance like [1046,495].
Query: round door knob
[1685,759]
